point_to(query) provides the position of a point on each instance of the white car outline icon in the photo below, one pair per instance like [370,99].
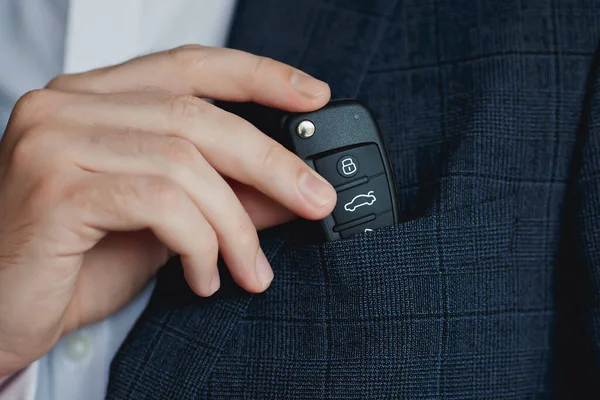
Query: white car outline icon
[351,207]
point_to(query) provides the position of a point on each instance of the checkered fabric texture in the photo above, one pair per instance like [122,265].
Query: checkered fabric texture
[488,288]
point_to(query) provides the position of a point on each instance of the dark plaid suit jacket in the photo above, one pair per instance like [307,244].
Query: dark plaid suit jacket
[488,288]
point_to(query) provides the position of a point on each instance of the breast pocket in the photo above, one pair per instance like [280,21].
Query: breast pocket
[429,308]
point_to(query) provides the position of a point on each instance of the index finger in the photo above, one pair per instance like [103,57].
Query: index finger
[208,72]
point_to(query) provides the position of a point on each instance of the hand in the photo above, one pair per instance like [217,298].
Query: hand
[104,174]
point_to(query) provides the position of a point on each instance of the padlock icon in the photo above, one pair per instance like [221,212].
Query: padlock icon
[348,166]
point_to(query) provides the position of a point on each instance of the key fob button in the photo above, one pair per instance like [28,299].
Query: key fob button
[342,142]
[385,219]
[372,197]
[345,166]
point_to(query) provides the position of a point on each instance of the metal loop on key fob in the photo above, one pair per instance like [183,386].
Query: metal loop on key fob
[305,129]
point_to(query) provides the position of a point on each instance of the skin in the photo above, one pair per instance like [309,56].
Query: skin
[104,175]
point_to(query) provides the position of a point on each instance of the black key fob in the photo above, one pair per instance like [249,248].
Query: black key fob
[341,141]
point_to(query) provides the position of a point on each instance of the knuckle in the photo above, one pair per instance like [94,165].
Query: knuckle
[181,152]
[210,243]
[271,157]
[261,65]
[166,195]
[32,104]
[59,82]
[247,237]
[187,107]
[77,196]
[33,98]
[189,56]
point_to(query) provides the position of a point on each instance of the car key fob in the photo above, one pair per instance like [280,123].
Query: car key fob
[341,141]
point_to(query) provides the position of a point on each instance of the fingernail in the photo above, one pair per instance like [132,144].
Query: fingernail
[308,86]
[315,189]
[215,282]
[263,269]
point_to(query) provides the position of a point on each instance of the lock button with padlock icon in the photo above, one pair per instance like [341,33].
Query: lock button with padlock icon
[347,166]
[350,165]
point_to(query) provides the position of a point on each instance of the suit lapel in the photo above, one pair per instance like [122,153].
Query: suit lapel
[177,341]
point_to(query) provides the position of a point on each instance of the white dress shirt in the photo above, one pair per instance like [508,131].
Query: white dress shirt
[40,39]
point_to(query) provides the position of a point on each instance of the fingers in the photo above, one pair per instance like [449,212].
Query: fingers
[262,210]
[129,202]
[216,73]
[117,146]
[179,161]
[234,147]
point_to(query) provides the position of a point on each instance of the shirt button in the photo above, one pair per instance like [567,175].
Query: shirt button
[78,347]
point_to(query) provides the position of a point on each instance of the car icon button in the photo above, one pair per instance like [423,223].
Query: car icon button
[372,197]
